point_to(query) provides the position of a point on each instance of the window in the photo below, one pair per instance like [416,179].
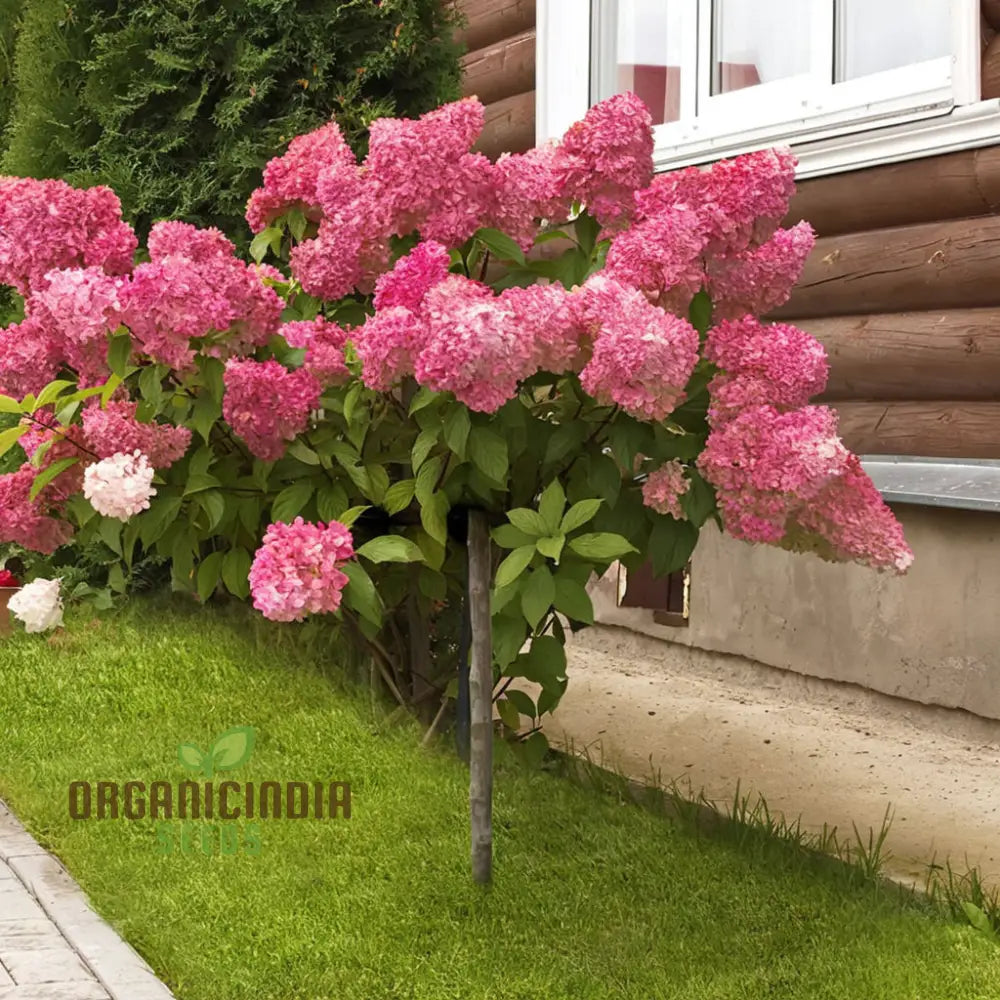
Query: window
[725,76]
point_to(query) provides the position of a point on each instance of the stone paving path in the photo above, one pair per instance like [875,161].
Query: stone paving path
[53,946]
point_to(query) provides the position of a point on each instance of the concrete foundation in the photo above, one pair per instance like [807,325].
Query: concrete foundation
[932,636]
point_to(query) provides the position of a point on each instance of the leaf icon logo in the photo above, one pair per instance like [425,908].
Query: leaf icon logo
[229,751]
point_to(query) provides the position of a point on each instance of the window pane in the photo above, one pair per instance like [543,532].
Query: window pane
[883,34]
[651,54]
[760,42]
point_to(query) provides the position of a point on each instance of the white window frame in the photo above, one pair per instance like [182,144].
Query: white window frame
[904,113]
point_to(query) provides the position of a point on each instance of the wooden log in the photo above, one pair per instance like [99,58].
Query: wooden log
[943,265]
[510,125]
[910,356]
[986,32]
[963,184]
[991,11]
[480,700]
[931,429]
[500,70]
[489,21]
[990,79]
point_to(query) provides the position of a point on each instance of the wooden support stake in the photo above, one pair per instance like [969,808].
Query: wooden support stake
[481,700]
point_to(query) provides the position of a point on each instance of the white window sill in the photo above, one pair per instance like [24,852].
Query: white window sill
[968,484]
[965,127]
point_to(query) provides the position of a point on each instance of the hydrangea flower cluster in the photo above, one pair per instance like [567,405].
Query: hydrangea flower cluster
[120,486]
[115,428]
[323,343]
[29,523]
[296,571]
[38,605]
[267,405]
[664,488]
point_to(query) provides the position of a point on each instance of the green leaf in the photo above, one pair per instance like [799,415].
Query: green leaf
[213,503]
[199,481]
[266,239]
[300,450]
[534,749]
[360,594]
[579,514]
[162,512]
[529,521]
[508,636]
[605,477]
[398,496]
[232,748]
[49,473]
[109,388]
[551,547]
[544,663]
[10,437]
[456,429]
[500,597]
[119,351]
[291,501]
[587,231]
[434,517]
[379,480]
[700,312]
[204,415]
[151,384]
[391,548]
[500,245]
[51,392]
[427,478]
[349,516]
[236,572]
[509,537]
[601,546]
[978,918]
[422,448]
[9,405]
[331,501]
[551,505]
[423,397]
[671,544]
[192,757]
[573,601]
[508,713]
[116,579]
[699,502]
[488,451]
[351,400]
[537,595]
[514,565]
[209,570]
[522,702]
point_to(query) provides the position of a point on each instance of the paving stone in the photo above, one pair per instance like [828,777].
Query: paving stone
[29,935]
[46,965]
[5,979]
[15,841]
[5,871]
[55,991]
[16,903]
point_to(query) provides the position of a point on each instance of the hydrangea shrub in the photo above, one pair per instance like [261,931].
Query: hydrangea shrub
[559,339]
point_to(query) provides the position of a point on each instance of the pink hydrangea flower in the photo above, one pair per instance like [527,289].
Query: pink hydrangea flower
[29,523]
[527,189]
[388,344]
[551,321]
[115,428]
[119,486]
[29,359]
[474,348]
[606,157]
[760,279]
[773,364]
[296,571]
[323,342]
[413,276]
[47,224]
[643,357]
[290,180]
[58,443]
[267,405]
[663,489]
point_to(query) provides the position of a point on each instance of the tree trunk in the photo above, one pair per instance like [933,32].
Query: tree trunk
[481,700]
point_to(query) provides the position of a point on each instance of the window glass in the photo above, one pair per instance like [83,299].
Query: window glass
[878,35]
[651,54]
[760,42]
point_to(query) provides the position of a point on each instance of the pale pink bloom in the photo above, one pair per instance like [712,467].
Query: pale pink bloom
[29,358]
[28,523]
[323,342]
[663,489]
[267,405]
[643,357]
[296,571]
[120,486]
[474,348]
[551,320]
[38,605]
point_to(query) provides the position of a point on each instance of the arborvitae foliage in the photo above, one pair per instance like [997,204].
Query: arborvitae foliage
[178,104]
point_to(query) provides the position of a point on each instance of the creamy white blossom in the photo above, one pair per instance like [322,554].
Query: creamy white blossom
[119,486]
[38,605]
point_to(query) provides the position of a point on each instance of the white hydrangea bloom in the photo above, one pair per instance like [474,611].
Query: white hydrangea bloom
[38,605]
[119,486]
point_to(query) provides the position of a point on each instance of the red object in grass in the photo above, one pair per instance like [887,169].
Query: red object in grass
[7,579]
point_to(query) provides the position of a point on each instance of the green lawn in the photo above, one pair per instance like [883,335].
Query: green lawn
[592,899]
